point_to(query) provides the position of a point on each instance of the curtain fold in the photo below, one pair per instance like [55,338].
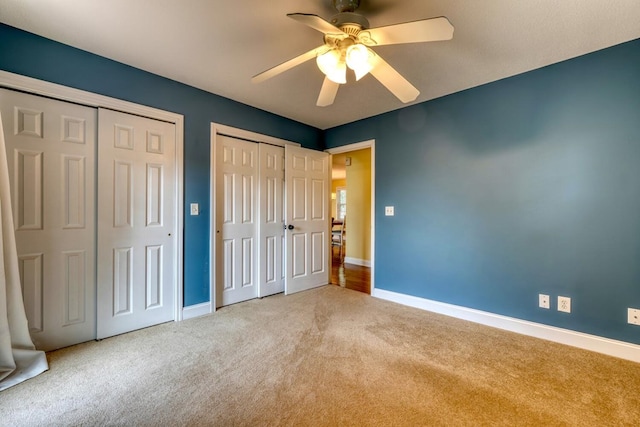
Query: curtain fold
[19,360]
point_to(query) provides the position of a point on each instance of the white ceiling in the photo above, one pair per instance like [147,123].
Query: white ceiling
[218,45]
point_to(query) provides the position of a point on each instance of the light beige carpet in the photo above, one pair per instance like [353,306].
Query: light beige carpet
[326,357]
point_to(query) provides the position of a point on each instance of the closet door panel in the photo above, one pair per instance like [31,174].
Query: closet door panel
[136,223]
[236,227]
[51,154]
[271,250]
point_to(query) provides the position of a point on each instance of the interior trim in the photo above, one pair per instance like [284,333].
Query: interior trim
[219,129]
[352,147]
[357,261]
[196,310]
[610,347]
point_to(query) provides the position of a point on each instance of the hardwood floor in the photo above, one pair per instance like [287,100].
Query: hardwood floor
[349,276]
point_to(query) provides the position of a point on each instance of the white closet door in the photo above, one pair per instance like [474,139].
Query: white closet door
[136,223]
[236,220]
[51,154]
[307,215]
[271,222]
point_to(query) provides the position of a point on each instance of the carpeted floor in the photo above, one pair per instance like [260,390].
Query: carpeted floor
[326,357]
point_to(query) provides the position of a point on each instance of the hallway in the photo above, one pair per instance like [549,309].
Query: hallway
[350,276]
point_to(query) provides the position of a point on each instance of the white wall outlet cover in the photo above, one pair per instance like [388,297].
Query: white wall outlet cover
[388,210]
[564,304]
[543,301]
[634,316]
[195,209]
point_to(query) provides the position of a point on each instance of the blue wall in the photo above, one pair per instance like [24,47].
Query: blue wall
[30,55]
[523,186]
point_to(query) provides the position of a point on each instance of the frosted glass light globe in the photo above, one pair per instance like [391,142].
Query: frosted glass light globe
[332,65]
[359,60]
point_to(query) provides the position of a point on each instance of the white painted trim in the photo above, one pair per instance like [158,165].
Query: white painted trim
[212,217]
[64,93]
[621,349]
[351,147]
[196,310]
[371,143]
[357,261]
[217,128]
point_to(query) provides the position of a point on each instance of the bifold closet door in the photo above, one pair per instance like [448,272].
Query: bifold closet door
[236,220]
[51,154]
[261,247]
[136,223]
[271,220]
[249,234]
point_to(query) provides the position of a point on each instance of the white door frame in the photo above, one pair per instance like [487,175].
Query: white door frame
[64,93]
[360,146]
[220,129]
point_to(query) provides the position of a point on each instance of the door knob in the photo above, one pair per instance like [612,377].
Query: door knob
[290,227]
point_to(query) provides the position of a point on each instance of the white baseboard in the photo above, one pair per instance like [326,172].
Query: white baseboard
[621,349]
[357,261]
[196,310]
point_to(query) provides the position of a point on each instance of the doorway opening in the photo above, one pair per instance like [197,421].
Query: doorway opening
[352,214]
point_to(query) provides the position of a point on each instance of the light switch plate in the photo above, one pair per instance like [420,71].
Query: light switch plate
[195,209]
[388,211]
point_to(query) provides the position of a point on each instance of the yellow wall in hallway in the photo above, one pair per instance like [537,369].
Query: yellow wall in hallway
[358,227]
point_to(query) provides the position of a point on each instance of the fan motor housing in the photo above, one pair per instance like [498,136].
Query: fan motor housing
[350,19]
[346,5]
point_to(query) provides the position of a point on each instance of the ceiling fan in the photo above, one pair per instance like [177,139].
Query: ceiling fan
[347,44]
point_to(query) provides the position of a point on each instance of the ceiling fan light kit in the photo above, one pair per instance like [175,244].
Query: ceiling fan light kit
[360,59]
[333,65]
[334,62]
[347,42]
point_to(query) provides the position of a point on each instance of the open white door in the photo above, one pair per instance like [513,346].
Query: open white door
[307,219]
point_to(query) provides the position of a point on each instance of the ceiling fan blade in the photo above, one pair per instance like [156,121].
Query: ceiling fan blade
[327,93]
[317,23]
[392,80]
[425,30]
[271,72]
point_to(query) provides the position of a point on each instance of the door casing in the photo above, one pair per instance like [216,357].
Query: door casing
[371,143]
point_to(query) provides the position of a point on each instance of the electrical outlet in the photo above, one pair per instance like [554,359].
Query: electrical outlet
[388,210]
[564,304]
[543,301]
[634,316]
[195,209]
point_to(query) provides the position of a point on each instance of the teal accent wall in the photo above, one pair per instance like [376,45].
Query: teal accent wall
[523,186]
[30,55]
